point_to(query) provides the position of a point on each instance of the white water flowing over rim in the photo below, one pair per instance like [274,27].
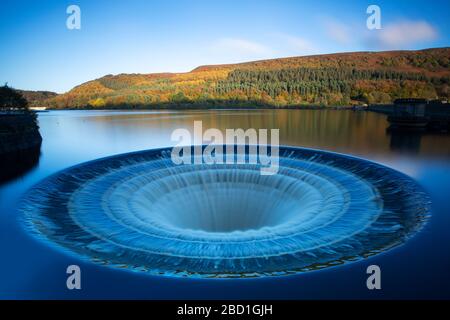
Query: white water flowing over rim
[141,212]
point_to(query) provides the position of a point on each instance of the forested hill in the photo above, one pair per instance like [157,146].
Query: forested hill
[327,80]
[36,98]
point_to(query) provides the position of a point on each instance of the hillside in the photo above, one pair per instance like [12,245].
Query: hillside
[35,98]
[333,79]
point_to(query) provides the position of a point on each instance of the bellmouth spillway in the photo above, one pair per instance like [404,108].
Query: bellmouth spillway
[142,212]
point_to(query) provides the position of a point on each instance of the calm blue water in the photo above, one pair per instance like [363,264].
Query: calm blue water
[419,269]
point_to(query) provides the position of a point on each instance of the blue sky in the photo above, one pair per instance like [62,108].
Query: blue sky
[38,52]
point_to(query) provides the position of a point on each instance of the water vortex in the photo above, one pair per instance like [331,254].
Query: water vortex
[142,212]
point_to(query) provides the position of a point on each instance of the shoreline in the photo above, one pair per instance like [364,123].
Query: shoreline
[19,132]
[210,108]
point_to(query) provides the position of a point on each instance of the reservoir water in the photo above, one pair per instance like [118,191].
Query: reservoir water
[418,269]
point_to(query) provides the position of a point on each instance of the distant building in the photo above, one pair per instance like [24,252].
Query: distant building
[409,113]
[420,113]
[38,108]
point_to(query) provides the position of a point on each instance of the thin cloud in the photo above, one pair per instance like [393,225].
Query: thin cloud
[241,46]
[396,35]
[338,32]
[405,33]
[298,45]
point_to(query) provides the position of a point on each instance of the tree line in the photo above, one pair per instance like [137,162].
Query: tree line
[318,84]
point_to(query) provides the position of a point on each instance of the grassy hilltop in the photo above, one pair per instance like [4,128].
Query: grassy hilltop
[326,80]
